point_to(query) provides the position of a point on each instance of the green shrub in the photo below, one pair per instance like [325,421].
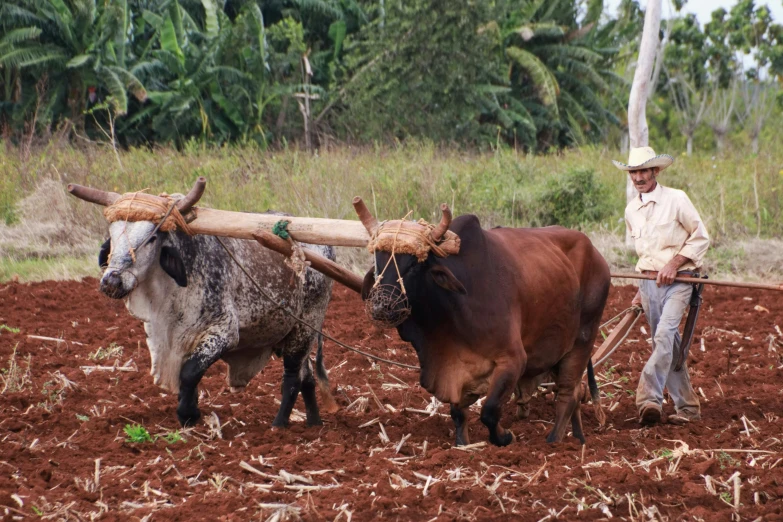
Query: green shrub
[572,200]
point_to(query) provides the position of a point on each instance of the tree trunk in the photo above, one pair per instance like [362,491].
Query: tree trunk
[754,144]
[720,141]
[637,103]
[280,123]
[689,146]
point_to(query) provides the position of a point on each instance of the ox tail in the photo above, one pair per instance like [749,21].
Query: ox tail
[595,394]
[322,378]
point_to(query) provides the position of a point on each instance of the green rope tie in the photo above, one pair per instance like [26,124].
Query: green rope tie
[281,229]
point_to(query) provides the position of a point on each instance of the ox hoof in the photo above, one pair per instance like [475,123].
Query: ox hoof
[315,422]
[523,411]
[188,418]
[461,441]
[503,440]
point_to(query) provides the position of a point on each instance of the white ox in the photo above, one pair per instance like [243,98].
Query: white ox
[198,306]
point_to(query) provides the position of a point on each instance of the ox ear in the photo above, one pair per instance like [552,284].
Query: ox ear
[367,284]
[445,279]
[172,264]
[103,255]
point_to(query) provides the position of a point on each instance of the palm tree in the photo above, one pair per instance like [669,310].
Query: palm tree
[558,73]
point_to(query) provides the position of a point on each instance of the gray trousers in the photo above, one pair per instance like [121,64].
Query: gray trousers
[664,308]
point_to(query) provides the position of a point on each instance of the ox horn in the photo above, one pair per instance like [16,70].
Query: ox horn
[101,197]
[369,222]
[185,204]
[445,221]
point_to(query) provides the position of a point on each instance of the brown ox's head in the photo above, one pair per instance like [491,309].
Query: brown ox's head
[408,265]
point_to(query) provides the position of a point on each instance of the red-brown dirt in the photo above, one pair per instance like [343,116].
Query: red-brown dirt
[52,433]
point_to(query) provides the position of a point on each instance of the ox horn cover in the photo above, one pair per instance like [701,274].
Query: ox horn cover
[386,306]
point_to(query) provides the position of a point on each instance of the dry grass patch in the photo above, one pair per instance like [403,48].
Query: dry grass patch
[15,377]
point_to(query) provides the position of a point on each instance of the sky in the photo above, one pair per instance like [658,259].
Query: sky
[703,8]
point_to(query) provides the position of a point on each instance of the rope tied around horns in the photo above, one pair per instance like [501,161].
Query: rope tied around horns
[414,240]
[138,206]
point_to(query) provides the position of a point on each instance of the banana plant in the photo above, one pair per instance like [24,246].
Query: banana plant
[75,49]
[556,73]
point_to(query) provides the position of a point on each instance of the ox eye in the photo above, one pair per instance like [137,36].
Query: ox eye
[153,238]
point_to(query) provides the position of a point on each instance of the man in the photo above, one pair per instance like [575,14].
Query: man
[670,238]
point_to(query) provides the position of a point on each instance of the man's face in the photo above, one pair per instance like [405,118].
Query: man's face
[644,179]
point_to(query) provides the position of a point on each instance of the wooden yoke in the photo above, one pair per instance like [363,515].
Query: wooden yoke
[242,225]
[316,231]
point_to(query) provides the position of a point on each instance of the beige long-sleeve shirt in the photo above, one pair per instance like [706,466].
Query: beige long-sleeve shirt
[663,225]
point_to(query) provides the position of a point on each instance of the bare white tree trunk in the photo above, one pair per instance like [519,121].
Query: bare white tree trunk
[637,103]
[640,89]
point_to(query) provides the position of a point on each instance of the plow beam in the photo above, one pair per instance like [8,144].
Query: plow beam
[318,262]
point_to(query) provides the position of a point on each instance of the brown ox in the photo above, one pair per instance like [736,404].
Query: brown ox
[510,306]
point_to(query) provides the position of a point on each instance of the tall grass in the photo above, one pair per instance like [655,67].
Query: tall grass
[501,187]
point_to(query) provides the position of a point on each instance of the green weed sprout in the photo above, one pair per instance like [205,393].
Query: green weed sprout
[137,433]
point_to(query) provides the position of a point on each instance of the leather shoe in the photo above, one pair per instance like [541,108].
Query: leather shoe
[680,419]
[650,416]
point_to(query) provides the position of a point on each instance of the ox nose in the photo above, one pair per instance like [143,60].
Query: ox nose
[378,311]
[111,283]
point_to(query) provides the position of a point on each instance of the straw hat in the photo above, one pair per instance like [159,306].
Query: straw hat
[644,158]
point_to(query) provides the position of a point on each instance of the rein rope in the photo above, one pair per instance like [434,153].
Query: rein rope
[288,311]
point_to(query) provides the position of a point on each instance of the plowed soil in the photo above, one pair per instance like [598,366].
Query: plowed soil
[388,453]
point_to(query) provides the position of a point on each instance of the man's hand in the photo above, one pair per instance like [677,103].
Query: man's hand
[637,299]
[667,274]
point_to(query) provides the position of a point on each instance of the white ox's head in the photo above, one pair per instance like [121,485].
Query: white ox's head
[134,252]
[136,248]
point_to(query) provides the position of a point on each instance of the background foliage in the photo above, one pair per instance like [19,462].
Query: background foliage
[537,75]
